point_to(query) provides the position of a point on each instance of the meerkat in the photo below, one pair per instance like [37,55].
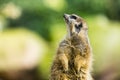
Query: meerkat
[74,56]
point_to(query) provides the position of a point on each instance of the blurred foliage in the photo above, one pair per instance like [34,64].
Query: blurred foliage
[44,17]
[38,15]
[28,47]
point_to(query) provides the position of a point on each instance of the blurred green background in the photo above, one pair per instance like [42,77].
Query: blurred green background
[30,31]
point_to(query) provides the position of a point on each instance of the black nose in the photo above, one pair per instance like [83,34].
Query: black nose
[66,16]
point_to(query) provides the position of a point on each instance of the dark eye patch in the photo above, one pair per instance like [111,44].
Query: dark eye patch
[73,17]
[78,26]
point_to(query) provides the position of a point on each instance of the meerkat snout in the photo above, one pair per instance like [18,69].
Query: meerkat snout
[66,17]
[73,16]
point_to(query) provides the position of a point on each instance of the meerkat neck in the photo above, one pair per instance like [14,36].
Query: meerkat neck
[77,39]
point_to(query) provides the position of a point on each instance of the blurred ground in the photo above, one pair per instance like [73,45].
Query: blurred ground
[30,31]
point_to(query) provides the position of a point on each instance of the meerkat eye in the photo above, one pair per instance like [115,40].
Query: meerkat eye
[78,26]
[73,17]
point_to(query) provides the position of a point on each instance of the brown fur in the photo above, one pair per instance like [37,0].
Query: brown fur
[73,58]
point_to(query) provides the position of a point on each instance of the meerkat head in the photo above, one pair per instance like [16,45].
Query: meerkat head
[75,25]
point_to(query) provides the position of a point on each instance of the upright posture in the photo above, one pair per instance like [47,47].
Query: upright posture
[73,59]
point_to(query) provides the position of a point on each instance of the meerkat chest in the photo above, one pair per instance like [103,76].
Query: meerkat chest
[76,54]
[77,64]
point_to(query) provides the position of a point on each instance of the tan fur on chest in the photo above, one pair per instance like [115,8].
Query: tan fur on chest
[73,61]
